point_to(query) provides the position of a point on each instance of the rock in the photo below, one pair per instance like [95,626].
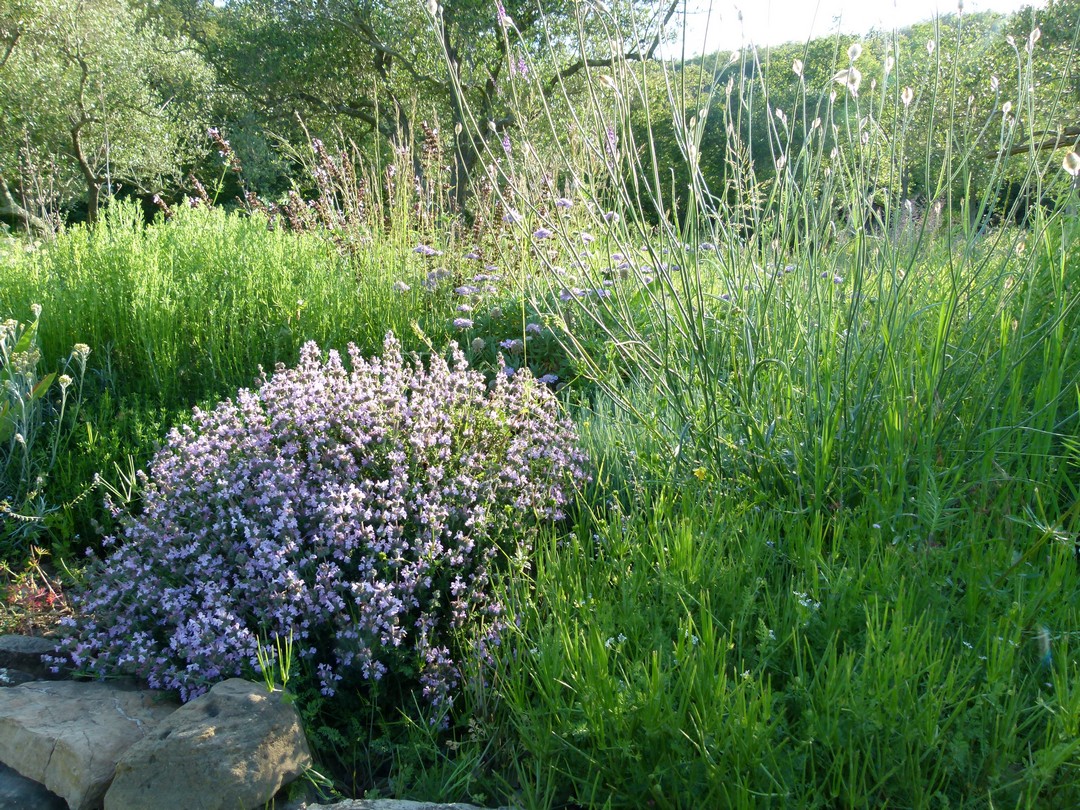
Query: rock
[234,747]
[24,653]
[19,793]
[69,736]
[14,677]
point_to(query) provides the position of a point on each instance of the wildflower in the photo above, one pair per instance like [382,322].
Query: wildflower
[401,286]
[543,233]
[854,51]
[274,494]
[587,238]
[1006,108]
[466,290]
[609,83]
[1033,37]
[463,323]
[472,254]
[505,22]
[850,78]
[1071,164]
[506,145]
[797,67]
[907,96]
[549,379]
[64,380]
[36,310]
[426,250]
[478,345]
[563,203]
[707,246]
[512,217]
[611,216]
[533,328]
[512,345]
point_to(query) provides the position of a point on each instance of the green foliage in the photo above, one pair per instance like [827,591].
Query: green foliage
[94,99]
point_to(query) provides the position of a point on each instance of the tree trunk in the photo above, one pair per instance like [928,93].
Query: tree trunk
[10,208]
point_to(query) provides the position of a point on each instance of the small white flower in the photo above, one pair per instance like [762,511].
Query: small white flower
[854,51]
[1071,164]
[797,67]
[907,96]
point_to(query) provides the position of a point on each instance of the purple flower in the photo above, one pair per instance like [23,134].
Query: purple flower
[354,506]
[426,250]
[533,328]
[401,286]
[463,323]
[611,216]
[564,203]
[543,233]
[512,217]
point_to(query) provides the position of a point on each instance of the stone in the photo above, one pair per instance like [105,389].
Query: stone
[233,747]
[68,736]
[19,793]
[14,677]
[24,653]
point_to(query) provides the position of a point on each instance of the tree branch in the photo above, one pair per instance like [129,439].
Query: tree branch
[634,56]
[1063,138]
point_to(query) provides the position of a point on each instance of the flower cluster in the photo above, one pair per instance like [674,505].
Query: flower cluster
[364,511]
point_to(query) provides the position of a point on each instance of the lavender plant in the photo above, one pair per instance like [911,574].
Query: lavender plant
[364,511]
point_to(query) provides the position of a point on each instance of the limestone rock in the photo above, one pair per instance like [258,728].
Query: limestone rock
[24,653]
[14,677]
[68,736]
[234,747]
[19,793]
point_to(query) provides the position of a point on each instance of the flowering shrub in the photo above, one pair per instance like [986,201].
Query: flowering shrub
[363,511]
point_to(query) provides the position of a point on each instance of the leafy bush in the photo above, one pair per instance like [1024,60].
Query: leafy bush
[363,511]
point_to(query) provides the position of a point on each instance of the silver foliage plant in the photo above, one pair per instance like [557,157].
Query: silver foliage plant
[365,511]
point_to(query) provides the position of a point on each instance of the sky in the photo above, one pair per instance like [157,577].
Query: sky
[771,22]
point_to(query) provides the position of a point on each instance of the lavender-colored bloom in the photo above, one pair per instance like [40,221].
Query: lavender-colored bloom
[707,246]
[466,290]
[426,250]
[611,216]
[563,203]
[838,279]
[506,145]
[357,507]
[512,345]
[533,328]
[543,233]
[472,254]
[512,217]
[401,286]
[587,238]
[463,323]
[548,379]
